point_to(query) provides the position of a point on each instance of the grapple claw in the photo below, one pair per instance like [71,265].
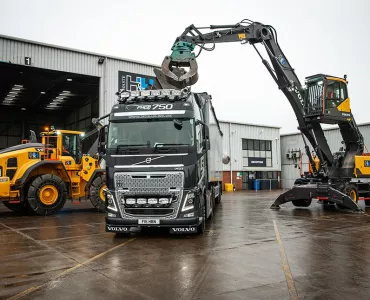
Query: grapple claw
[175,73]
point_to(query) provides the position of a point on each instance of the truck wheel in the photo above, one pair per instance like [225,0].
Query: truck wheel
[47,194]
[302,202]
[16,207]
[202,227]
[96,193]
[218,199]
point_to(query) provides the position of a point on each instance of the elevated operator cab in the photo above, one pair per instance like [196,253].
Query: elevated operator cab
[326,99]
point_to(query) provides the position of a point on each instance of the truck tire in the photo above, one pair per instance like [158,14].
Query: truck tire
[16,207]
[202,227]
[218,199]
[96,193]
[47,194]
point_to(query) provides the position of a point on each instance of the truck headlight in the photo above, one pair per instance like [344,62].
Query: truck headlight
[189,202]
[111,204]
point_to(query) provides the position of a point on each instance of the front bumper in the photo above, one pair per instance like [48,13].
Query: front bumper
[119,225]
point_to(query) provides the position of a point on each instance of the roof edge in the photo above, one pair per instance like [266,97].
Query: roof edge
[76,50]
[250,124]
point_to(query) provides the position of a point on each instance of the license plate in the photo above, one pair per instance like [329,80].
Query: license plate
[148,221]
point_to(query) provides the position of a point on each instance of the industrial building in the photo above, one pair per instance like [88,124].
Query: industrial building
[255,154]
[294,161]
[44,85]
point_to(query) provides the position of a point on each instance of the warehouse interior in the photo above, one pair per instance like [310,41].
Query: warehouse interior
[33,98]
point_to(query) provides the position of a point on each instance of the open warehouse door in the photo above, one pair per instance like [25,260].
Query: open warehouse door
[52,167]
[33,98]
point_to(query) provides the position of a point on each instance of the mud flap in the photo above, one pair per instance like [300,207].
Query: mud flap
[309,191]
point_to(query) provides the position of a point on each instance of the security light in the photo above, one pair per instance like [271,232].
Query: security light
[101,60]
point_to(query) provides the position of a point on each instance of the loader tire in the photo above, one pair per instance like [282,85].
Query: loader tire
[96,193]
[47,194]
[16,207]
[302,202]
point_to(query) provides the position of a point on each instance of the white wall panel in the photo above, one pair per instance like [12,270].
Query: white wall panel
[295,141]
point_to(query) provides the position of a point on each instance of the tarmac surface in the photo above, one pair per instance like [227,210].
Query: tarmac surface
[248,252]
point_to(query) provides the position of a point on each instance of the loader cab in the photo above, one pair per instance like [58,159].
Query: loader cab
[64,145]
[326,99]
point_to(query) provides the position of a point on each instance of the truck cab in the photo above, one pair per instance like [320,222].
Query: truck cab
[159,167]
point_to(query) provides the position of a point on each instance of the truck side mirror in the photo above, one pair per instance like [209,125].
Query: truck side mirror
[205,132]
[101,148]
[102,139]
[206,145]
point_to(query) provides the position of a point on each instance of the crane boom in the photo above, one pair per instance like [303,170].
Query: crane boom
[278,67]
[323,99]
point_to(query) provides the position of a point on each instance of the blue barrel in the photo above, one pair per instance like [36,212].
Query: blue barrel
[257,184]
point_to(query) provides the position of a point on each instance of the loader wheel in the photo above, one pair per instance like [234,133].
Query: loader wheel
[47,194]
[302,202]
[16,207]
[96,193]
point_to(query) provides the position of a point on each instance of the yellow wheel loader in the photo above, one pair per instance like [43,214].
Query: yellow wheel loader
[41,176]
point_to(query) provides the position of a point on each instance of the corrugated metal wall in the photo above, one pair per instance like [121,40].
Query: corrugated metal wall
[69,60]
[113,66]
[247,131]
[294,141]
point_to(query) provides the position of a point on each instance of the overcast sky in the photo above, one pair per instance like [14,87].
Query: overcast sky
[317,36]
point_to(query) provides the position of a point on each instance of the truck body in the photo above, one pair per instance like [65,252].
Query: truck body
[163,155]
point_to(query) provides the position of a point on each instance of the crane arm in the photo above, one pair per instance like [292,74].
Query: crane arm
[278,66]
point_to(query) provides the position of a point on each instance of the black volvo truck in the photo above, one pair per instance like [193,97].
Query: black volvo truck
[164,161]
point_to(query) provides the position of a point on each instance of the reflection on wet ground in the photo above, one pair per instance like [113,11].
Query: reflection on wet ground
[241,256]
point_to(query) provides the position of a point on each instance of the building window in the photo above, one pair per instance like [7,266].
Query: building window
[259,153]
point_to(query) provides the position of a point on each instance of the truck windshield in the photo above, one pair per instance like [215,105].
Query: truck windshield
[151,133]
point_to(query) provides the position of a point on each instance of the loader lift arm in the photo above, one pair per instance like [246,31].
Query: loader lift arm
[173,75]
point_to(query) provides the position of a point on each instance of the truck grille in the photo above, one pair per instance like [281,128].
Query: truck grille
[149,211]
[147,185]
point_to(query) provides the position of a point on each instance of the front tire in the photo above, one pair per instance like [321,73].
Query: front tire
[96,193]
[218,199]
[202,227]
[47,194]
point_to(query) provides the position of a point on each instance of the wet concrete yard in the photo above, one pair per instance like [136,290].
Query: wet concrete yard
[248,252]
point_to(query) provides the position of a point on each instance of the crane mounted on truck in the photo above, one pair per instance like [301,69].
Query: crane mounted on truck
[341,177]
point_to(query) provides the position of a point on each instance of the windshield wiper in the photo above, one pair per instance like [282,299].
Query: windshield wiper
[127,146]
[166,145]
